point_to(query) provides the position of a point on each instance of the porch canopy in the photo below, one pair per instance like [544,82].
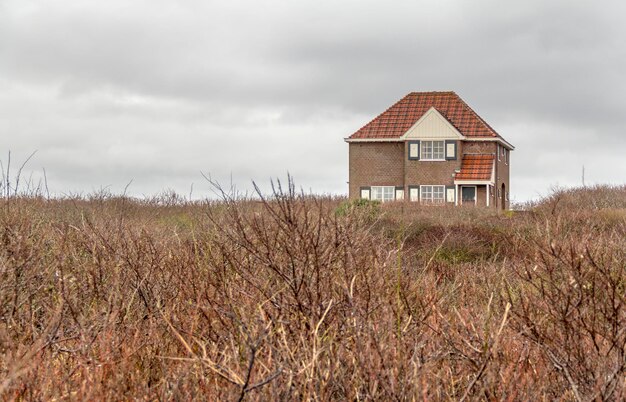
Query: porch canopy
[477,172]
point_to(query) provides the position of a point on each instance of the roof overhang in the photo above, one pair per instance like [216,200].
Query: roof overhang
[470,182]
[395,139]
[400,139]
[481,178]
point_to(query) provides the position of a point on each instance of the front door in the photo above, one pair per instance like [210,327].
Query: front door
[468,195]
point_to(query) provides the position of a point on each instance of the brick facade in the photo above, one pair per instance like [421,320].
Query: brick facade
[387,164]
[434,173]
[502,177]
[375,164]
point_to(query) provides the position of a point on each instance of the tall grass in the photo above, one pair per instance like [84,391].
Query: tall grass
[281,297]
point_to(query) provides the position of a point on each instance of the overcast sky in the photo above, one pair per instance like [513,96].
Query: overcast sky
[158,91]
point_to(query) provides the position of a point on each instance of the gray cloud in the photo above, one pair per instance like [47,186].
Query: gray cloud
[157,91]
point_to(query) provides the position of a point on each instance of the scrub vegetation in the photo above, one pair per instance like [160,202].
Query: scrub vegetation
[298,297]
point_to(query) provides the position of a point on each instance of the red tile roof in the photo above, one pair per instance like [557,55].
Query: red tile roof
[475,167]
[396,120]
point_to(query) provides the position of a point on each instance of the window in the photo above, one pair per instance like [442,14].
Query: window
[432,194]
[383,193]
[433,150]
[506,156]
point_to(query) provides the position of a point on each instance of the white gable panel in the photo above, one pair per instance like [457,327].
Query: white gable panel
[432,126]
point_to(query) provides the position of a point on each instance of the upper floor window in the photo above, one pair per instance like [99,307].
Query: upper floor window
[433,150]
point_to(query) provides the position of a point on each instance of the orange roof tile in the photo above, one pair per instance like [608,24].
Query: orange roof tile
[475,167]
[396,120]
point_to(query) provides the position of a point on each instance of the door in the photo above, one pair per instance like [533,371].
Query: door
[468,195]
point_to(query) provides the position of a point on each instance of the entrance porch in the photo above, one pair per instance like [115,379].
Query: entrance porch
[474,194]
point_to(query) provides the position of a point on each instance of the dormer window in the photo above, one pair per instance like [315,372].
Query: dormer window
[433,150]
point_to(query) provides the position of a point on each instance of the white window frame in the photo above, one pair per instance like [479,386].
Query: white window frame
[506,156]
[431,192]
[387,193]
[431,157]
[498,151]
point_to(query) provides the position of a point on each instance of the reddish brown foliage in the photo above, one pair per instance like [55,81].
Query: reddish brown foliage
[284,299]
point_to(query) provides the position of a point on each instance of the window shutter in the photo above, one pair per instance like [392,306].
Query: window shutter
[451,150]
[414,193]
[399,193]
[450,194]
[365,193]
[414,150]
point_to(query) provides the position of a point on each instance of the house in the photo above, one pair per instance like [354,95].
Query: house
[431,148]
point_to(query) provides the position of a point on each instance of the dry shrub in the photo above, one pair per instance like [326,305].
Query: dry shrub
[570,302]
[584,198]
[281,298]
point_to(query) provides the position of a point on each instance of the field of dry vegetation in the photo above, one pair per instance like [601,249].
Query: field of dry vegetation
[295,297]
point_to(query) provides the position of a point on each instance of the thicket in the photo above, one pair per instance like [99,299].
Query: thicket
[292,296]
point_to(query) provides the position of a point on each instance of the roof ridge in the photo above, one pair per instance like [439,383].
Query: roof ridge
[405,112]
[432,92]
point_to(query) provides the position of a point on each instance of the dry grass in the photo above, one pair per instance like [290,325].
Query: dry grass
[283,298]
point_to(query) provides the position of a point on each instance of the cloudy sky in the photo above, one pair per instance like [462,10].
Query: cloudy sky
[158,91]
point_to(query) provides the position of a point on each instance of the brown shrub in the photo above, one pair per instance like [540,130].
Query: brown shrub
[282,298]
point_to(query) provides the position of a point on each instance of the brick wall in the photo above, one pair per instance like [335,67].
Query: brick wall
[375,164]
[502,177]
[472,147]
[481,196]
